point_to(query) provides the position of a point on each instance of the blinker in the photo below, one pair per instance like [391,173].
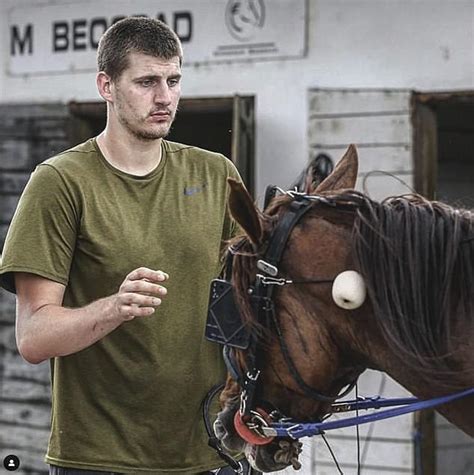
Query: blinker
[224,324]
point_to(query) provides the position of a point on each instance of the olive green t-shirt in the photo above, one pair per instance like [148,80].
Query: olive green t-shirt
[131,401]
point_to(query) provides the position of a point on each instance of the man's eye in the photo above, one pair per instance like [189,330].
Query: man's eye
[147,83]
[173,82]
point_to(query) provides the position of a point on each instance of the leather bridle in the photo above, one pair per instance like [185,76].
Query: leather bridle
[261,295]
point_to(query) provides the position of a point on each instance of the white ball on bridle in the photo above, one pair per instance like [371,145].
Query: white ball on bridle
[348,290]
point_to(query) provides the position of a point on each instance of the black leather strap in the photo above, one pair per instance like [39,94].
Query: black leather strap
[213,441]
[283,230]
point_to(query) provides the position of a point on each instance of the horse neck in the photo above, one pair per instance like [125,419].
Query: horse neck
[379,355]
[417,260]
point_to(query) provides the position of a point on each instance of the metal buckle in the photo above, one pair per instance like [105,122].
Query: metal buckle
[257,423]
[301,195]
[268,431]
[243,402]
[239,470]
[253,377]
[243,395]
[291,431]
[267,268]
[272,280]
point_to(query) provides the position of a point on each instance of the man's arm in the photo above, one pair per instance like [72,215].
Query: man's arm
[45,329]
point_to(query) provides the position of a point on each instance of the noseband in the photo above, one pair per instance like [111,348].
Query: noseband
[225,326]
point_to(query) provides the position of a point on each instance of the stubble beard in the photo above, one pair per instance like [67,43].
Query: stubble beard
[137,126]
[142,133]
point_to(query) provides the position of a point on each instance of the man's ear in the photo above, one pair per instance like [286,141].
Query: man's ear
[244,211]
[344,174]
[104,85]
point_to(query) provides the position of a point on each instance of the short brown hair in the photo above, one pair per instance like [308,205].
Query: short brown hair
[135,35]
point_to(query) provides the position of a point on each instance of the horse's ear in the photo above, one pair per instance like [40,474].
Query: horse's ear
[244,211]
[344,174]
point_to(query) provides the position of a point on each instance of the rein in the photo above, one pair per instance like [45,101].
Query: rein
[297,430]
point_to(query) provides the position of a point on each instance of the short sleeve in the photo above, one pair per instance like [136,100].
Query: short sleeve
[42,235]
[231,228]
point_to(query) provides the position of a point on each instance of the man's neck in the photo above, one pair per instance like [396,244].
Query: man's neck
[128,153]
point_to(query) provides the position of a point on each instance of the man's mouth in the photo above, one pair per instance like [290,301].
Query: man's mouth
[160,115]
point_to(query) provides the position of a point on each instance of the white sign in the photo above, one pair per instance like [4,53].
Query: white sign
[63,38]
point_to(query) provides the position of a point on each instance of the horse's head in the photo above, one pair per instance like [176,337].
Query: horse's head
[314,330]
[302,351]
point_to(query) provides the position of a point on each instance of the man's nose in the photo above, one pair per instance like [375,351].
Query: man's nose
[162,94]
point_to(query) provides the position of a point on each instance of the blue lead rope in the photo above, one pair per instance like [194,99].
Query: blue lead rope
[299,430]
[372,402]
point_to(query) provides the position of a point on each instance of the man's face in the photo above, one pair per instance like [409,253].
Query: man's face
[146,95]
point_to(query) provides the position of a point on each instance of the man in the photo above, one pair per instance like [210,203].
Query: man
[110,252]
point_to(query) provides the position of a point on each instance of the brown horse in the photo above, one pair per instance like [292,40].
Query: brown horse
[416,260]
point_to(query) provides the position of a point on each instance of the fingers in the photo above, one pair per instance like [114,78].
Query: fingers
[146,281]
[140,293]
[148,274]
[129,312]
[131,298]
[144,287]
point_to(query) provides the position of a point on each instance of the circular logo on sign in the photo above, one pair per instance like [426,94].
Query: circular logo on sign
[244,18]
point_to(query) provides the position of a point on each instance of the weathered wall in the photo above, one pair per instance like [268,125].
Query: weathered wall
[28,134]
[390,44]
[454,449]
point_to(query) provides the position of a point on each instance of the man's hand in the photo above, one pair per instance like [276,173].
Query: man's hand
[45,329]
[140,293]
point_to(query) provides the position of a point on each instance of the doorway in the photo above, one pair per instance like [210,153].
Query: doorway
[444,146]
[444,170]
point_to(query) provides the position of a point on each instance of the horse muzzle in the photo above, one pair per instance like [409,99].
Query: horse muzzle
[265,454]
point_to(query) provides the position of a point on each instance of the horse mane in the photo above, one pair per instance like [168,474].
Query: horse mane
[417,259]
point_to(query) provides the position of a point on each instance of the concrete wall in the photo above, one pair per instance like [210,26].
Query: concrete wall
[27,135]
[419,44]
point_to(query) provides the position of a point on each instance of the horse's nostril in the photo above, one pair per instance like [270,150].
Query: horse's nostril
[225,432]
[219,429]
